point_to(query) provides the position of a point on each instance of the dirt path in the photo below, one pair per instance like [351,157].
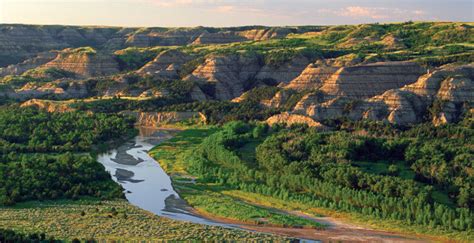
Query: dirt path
[335,232]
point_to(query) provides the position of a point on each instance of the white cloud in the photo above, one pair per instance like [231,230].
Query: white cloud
[370,12]
[375,13]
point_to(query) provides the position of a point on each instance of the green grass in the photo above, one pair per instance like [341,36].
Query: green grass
[381,168]
[247,152]
[170,153]
[214,200]
[110,220]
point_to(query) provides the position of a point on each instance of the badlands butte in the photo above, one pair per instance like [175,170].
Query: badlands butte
[401,73]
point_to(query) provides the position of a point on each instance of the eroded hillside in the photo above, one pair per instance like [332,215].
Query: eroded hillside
[401,73]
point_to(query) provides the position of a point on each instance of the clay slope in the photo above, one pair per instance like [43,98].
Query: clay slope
[85,63]
[166,65]
[28,64]
[314,74]
[364,81]
[229,74]
[64,89]
[452,86]
[284,72]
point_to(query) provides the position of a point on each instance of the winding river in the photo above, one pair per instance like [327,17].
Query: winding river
[149,187]
[146,184]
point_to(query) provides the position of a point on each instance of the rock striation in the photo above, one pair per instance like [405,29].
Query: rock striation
[84,63]
[166,65]
[20,68]
[312,77]
[451,85]
[364,81]
[284,72]
[62,88]
[229,74]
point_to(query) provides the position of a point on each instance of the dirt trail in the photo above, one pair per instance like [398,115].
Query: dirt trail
[336,231]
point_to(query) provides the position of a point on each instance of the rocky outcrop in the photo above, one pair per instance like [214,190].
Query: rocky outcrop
[153,93]
[267,33]
[284,72]
[395,106]
[19,42]
[451,85]
[449,82]
[64,89]
[219,38]
[228,73]
[84,63]
[28,64]
[318,107]
[365,81]
[312,77]
[166,65]
[290,119]
[280,99]
[47,105]
[156,119]
[253,34]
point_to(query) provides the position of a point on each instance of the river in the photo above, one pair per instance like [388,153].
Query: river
[146,184]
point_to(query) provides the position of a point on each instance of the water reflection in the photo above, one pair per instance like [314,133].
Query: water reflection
[145,182]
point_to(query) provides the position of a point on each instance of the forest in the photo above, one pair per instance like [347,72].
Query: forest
[421,176]
[46,155]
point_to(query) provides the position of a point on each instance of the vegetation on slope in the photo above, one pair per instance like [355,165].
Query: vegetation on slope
[380,178]
[36,159]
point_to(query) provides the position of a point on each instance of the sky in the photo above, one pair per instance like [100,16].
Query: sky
[218,13]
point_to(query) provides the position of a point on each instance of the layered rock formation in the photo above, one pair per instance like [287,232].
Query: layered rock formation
[453,86]
[64,89]
[364,81]
[84,63]
[219,38]
[20,68]
[166,65]
[284,72]
[312,77]
[228,73]
[18,42]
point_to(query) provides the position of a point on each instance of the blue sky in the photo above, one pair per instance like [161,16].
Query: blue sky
[231,12]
